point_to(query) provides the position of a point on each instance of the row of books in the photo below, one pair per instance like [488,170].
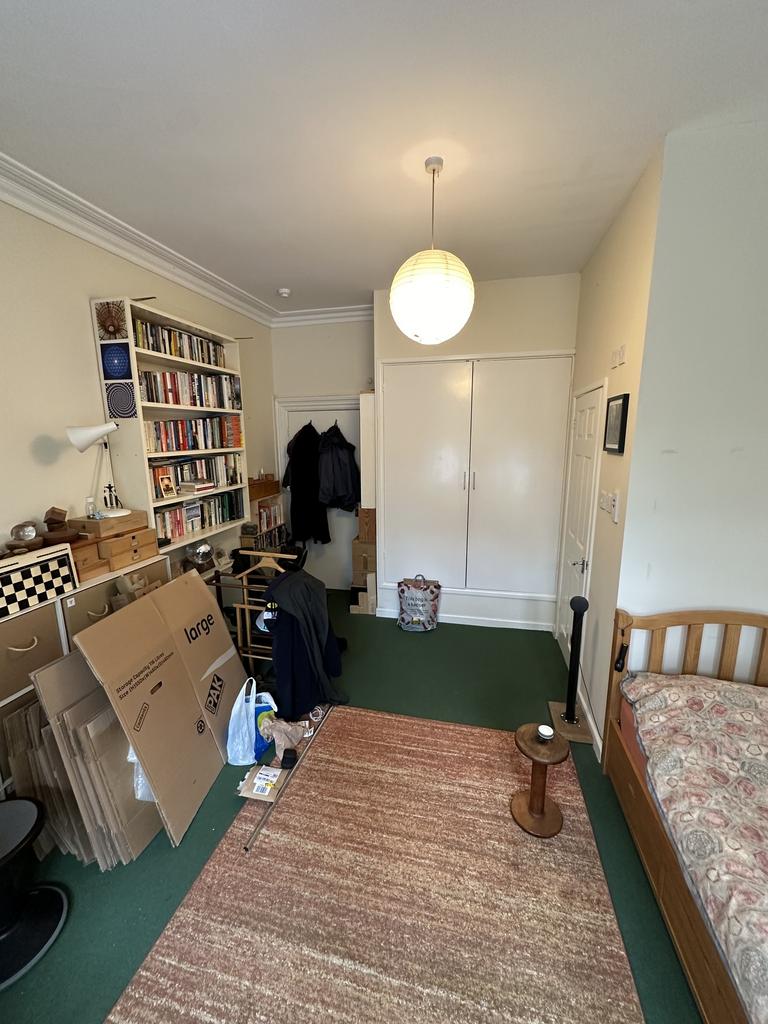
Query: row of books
[174,477]
[185,520]
[191,434]
[172,387]
[172,342]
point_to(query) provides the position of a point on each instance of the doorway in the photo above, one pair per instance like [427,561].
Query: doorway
[331,563]
[580,509]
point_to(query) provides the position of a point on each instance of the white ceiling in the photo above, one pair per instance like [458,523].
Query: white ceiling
[281,142]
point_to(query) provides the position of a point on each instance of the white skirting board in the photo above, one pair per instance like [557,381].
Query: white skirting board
[481,608]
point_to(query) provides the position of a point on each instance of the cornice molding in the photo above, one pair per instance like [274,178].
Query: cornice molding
[37,195]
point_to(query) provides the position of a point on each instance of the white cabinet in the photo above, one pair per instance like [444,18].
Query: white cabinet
[519,422]
[472,460]
[368,450]
[426,427]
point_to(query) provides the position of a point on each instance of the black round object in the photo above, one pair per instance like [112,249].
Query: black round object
[42,918]
[579,604]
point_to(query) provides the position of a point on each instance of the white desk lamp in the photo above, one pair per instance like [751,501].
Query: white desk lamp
[83,438]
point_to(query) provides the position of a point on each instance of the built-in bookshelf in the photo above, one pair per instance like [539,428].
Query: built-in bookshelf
[173,387]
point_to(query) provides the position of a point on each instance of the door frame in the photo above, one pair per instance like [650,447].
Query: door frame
[304,403]
[498,596]
[602,386]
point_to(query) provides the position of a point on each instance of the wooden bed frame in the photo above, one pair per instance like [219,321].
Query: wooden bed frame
[707,975]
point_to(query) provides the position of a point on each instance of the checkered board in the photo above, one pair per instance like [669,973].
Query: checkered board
[26,586]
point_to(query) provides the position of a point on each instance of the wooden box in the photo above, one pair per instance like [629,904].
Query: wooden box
[132,555]
[85,554]
[262,488]
[126,542]
[366,529]
[102,528]
[363,558]
[94,570]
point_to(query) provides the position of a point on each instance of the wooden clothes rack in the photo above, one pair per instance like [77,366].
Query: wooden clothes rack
[251,586]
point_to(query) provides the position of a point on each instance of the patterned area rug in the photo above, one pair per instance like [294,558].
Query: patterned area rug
[390,884]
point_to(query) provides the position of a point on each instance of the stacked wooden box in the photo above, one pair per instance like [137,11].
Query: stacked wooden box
[112,544]
[364,563]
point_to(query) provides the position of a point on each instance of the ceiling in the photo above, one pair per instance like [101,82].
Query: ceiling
[281,142]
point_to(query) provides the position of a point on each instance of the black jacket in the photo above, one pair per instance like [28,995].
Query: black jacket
[339,473]
[309,518]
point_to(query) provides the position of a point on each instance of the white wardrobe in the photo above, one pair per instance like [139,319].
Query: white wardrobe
[472,459]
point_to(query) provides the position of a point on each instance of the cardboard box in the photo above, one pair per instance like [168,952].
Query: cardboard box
[263,783]
[171,672]
[366,528]
[131,556]
[126,542]
[363,558]
[102,528]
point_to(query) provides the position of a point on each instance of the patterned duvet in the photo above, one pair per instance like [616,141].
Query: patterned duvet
[707,747]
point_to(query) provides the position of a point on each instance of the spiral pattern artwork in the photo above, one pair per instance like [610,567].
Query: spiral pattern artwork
[121,400]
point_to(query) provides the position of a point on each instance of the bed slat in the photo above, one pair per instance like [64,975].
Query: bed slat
[729,652]
[656,657]
[692,650]
[762,662]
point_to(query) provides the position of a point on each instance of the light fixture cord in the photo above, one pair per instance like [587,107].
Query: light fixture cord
[433,207]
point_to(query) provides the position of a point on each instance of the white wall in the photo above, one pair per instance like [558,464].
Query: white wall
[513,315]
[323,359]
[613,306]
[697,522]
[48,366]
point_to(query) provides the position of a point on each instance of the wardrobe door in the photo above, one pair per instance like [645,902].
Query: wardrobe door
[519,422]
[426,422]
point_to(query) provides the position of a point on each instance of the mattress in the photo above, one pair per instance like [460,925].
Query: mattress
[702,746]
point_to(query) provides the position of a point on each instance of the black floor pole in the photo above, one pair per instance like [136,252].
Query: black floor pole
[579,607]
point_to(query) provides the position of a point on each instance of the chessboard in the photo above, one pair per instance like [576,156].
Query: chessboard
[30,580]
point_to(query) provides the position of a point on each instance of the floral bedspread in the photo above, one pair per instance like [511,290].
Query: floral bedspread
[707,747]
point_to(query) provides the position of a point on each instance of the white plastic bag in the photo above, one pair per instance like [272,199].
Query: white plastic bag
[141,787]
[241,738]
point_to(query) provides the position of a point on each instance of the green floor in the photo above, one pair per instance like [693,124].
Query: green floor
[491,677]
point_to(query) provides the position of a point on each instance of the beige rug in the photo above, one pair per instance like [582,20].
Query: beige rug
[390,884]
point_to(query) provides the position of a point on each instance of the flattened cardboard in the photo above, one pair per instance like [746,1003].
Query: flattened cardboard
[203,640]
[134,655]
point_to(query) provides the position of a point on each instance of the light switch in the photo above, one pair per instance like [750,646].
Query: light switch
[622,355]
[613,506]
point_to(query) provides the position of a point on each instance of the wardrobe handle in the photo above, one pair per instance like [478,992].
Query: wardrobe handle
[25,650]
[101,614]
[473,479]
[464,485]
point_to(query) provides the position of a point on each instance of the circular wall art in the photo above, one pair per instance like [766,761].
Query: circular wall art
[121,401]
[115,361]
[111,320]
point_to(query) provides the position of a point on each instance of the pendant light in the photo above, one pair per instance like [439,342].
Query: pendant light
[432,293]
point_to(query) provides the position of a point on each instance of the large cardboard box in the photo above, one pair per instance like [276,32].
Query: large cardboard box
[171,672]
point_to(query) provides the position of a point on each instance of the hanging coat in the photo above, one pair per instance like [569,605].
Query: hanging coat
[309,518]
[305,654]
[339,472]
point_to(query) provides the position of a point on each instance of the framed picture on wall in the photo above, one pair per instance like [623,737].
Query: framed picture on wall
[616,424]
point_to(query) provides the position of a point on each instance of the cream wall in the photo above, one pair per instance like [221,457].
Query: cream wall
[513,315]
[697,522]
[613,306]
[49,372]
[323,359]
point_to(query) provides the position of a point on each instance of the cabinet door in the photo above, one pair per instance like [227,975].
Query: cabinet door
[426,423]
[519,421]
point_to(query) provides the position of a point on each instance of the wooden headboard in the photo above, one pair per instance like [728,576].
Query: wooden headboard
[693,623]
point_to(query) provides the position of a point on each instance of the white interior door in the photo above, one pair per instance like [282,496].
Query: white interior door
[580,511]
[426,423]
[519,422]
[331,563]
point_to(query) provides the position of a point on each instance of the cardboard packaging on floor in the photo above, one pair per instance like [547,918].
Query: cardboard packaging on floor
[170,670]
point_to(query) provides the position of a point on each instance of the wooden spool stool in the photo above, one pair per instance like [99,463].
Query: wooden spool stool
[532,809]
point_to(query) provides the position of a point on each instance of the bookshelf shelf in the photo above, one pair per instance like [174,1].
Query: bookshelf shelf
[189,408]
[200,535]
[182,499]
[192,453]
[129,370]
[177,363]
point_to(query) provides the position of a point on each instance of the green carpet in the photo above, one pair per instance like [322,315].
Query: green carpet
[489,677]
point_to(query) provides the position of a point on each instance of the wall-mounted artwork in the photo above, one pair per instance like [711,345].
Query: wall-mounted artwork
[616,424]
[121,400]
[111,321]
[116,361]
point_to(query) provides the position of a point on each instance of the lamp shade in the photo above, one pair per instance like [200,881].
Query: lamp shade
[83,437]
[432,296]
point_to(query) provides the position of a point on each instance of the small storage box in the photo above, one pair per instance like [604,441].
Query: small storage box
[132,555]
[126,542]
[366,530]
[110,527]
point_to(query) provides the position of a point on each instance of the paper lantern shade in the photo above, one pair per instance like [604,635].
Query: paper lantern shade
[432,296]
